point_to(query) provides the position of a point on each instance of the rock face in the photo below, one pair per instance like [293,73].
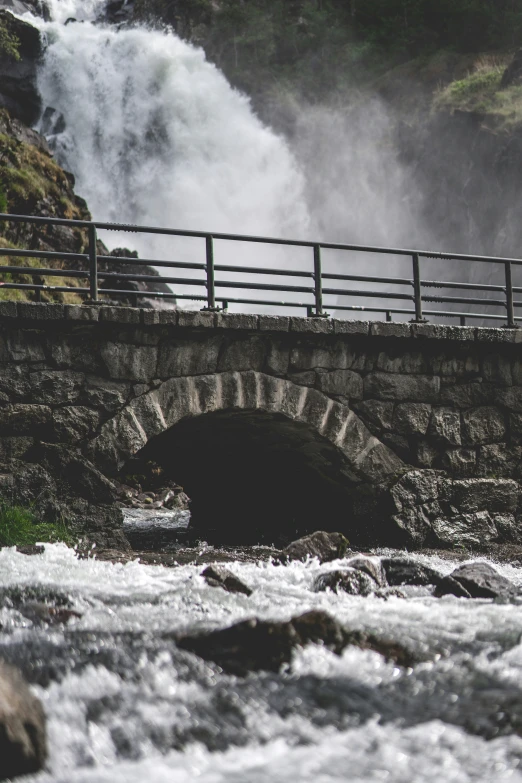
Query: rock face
[23,747]
[61,485]
[18,91]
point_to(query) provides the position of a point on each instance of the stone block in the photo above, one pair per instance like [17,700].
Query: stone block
[311,325]
[497,369]
[237,321]
[169,317]
[411,418]
[389,329]
[120,315]
[485,494]
[75,352]
[242,353]
[56,387]
[465,529]
[376,412]
[306,378]
[492,335]
[277,358]
[14,382]
[341,382]
[426,454]
[24,419]
[509,398]
[351,327]
[196,355]
[274,323]
[416,388]
[460,462]
[14,447]
[41,311]
[197,319]
[415,488]
[129,362]
[8,310]
[443,332]
[74,423]
[483,425]
[398,361]
[377,463]
[445,426]
[25,346]
[150,317]
[515,427]
[308,355]
[89,313]
[467,395]
[107,396]
[461,367]
[498,459]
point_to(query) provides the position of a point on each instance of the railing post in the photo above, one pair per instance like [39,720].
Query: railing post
[211,287]
[417,292]
[388,316]
[510,306]
[93,263]
[318,284]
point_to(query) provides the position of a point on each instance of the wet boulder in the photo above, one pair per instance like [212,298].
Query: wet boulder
[480,580]
[325,546]
[254,645]
[219,576]
[23,744]
[406,571]
[347,580]
[371,566]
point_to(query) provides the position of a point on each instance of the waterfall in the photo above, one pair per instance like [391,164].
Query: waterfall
[155,135]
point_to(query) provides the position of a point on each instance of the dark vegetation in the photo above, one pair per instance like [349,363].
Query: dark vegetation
[320,46]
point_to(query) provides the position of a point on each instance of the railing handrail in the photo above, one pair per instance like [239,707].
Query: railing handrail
[316,276]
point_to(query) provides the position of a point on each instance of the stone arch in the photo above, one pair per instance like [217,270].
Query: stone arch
[178,399]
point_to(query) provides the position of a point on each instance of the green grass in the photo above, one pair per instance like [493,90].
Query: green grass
[18,527]
[480,93]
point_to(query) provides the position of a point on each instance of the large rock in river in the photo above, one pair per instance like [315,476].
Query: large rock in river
[23,746]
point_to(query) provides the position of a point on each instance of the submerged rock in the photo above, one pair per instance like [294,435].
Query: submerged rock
[23,745]
[347,580]
[219,576]
[254,645]
[325,546]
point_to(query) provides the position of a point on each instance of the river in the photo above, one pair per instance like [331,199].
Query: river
[125,704]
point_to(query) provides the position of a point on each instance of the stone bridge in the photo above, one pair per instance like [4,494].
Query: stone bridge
[276,423]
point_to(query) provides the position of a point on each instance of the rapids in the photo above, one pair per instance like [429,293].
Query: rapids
[124,704]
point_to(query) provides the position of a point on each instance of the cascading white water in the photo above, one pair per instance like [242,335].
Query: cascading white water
[156,136]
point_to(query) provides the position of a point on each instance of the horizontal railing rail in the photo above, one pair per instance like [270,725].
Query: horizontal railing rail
[313,285]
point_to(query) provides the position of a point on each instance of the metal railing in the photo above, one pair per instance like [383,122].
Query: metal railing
[414,289]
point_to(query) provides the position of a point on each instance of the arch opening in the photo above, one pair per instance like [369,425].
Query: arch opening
[255,476]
